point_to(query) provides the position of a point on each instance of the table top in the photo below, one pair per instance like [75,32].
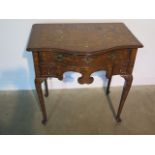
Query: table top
[81,37]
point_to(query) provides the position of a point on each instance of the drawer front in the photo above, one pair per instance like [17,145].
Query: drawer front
[51,63]
[48,70]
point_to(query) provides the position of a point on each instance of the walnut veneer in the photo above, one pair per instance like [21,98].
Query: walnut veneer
[83,48]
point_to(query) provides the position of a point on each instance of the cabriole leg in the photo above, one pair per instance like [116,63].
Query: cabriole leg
[38,82]
[46,88]
[108,86]
[126,88]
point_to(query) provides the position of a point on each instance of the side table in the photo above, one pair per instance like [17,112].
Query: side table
[83,48]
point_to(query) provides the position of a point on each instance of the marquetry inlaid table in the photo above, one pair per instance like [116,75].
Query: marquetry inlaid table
[83,48]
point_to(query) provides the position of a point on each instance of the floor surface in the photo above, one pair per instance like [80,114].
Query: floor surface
[78,111]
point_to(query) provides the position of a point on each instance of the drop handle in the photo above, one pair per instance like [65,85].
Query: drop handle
[59,57]
[112,56]
[88,60]
[48,72]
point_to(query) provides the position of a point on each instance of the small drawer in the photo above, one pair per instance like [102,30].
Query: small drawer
[48,70]
[51,62]
[62,59]
[117,55]
[121,68]
[49,57]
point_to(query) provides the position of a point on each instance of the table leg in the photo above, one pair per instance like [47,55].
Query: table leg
[108,86]
[46,88]
[38,82]
[126,88]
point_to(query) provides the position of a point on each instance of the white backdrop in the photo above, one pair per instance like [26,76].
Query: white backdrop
[16,65]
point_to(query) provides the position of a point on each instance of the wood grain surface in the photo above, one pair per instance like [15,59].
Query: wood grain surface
[81,38]
[83,48]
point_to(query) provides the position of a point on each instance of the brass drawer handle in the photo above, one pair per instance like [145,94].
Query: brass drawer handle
[112,56]
[59,57]
[122,71]
[88,60]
